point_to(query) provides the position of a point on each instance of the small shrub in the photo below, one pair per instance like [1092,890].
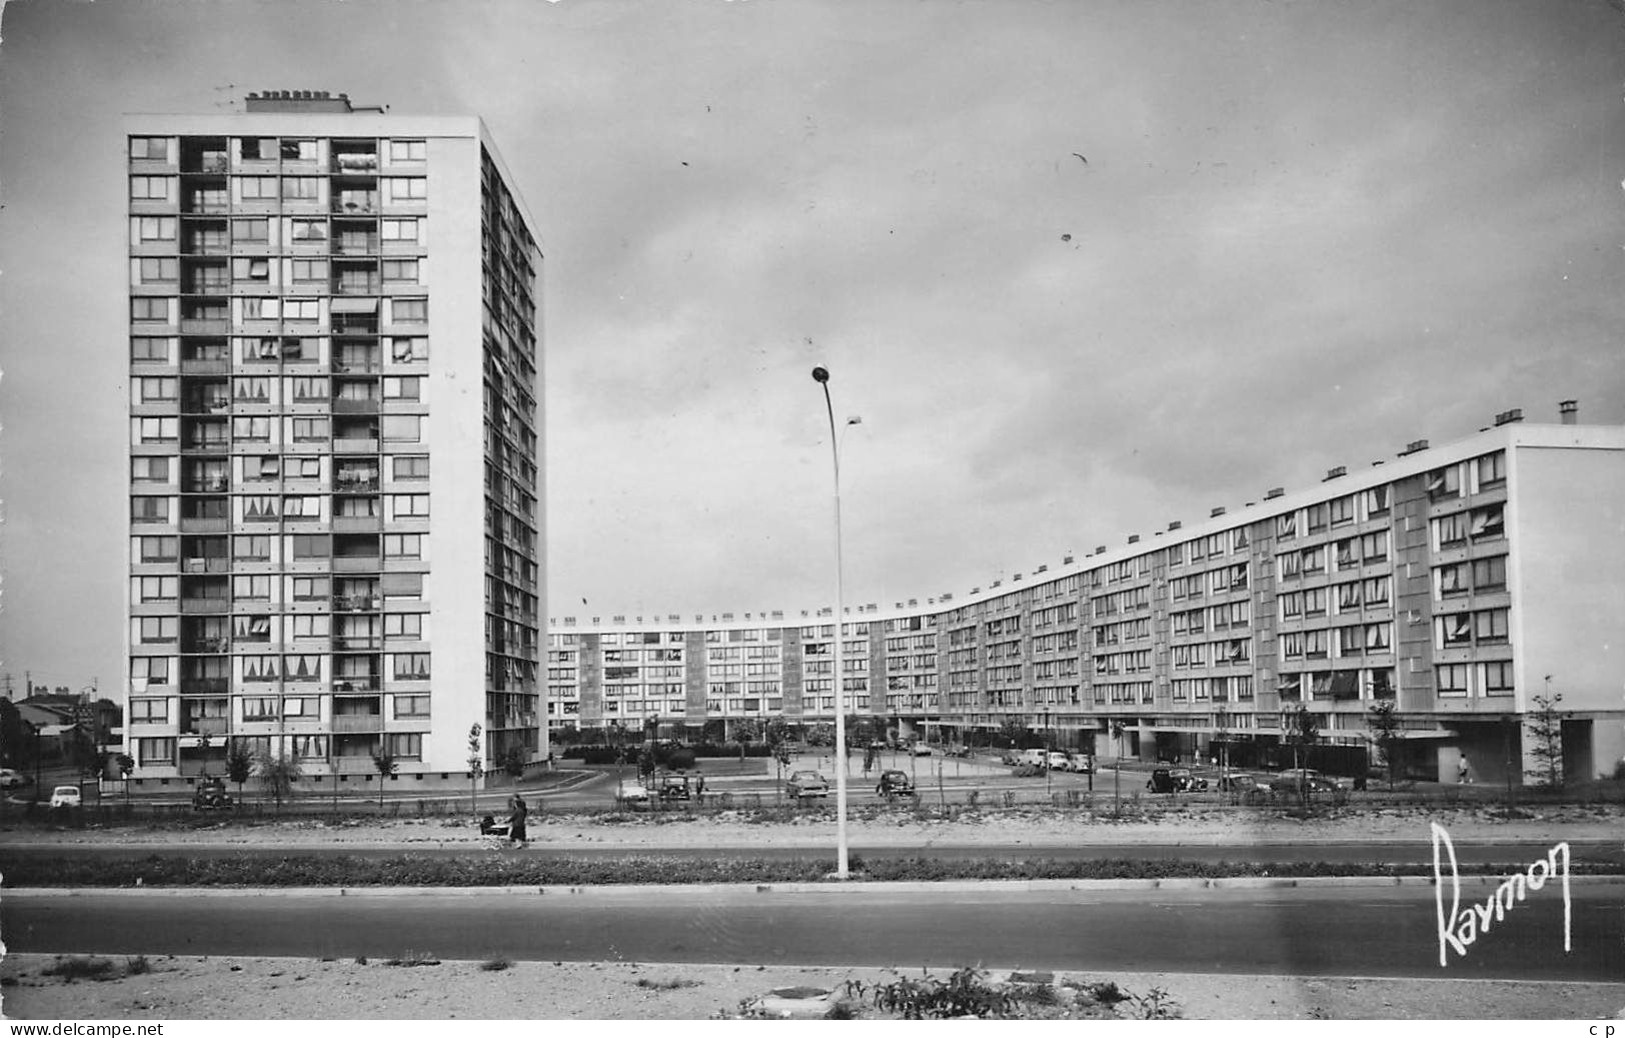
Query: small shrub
[674,984]
[496,965]
[79,967]
[135,967]
[360,960]
[1156,1005]
[841,1010]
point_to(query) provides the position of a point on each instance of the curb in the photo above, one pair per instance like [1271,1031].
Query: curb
[831,887]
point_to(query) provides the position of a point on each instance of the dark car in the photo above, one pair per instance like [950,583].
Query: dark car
[1161,781]
[211,795]
[1175,780]
[803,784]
[895,784]
[675,787]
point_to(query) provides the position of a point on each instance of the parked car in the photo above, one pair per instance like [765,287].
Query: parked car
[1237,782]
[922,750]
[803,784]
[635,793]
[1082,764]
[894,784]
[1010,757]
[675,787]
[1036,758]
[1175,780]
[10,779]
[1056,760]
[1294,778]
[66,796]
[211,795]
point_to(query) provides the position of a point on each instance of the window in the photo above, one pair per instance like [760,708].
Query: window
[1291,604]
[157,430]
[301,188]
[304,388]
[150,189]
[257,149]
[155,751]
[1292,645]
[402,428]
[1377,637]
[411,666]
[1342,510]
[1319,516]
[1498,679]
[403,387]
[149,711]
[1454,630]
[1314,601]
[251,269]
[153,629]
[251,429]
[151,669]
[1491,470]
[1375,591]
[1238,539]
[156,589]
[409,310]
[404,626]
[1452,679]
[251,587]
[1450,530]
[1348,557]
[299,151]
[259,708]
[1348,597]
[410,506]
[411,706]
[301,310]
[1486,524]
[307,625]
[1286,526]
[149,349]
[307,229]
[1350,641]
[405,745]
[1444,483]
[1291,565]
[1314,645]
[251,231]
[411,466]
[1490,627]
[408,151]
[309,430]
[310,589]
[310,546]
[400,229]
[407,189]
[251,547]
[408,348]
[302,668]
[149,470]
[1314,559]
[150,148]
[252,189]
[1374,546]
[1451,580]
[403,545]
[154,228]
[1490,574]
[149,308]
[401,271]
[157,549]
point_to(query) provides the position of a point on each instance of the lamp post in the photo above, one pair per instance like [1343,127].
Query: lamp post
[821,376]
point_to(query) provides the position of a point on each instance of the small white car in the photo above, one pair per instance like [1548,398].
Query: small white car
[66,796]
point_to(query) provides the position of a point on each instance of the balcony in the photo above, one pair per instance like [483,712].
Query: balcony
[357,642]
[355,405]
[206,645]
[357,603]
[204,606]
[353,445]
[208,564]
[357,723]
[206,726]
[356,683]
[205,686]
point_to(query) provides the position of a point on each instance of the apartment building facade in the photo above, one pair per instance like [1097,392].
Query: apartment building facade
[1451,580]
[335,365]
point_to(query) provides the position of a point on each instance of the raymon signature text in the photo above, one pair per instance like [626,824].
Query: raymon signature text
[1459,927]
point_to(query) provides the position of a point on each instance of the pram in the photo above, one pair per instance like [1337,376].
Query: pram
[489,826]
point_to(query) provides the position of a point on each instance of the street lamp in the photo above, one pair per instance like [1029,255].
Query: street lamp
[821,376]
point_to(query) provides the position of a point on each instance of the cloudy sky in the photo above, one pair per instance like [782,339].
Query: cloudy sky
[1081,268]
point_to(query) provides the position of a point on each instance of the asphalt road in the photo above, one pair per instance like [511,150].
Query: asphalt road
[1398,852]
[1317,931]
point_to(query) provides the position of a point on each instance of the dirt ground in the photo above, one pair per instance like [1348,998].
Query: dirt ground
[270,988]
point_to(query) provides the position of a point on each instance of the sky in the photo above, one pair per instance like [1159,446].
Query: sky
[1082,269]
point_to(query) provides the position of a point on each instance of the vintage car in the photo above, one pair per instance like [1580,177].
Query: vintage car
[894,784]
[1175,780]
[211,795]
[803,784]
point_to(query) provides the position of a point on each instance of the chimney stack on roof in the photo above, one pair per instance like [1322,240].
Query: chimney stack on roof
[1568,411]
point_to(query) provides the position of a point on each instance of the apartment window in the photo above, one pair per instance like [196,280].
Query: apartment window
[402,428]
[403,387]
[1350,641]
[411,666]
[1314,645]
[1490,627]
[1377,637]
[1348,597]
[1374,546]
[1342,510]
[1375,591]
[1490,574]
[149,711]
[405,745]
[155,751]
[257,149]
[1454,630]
[301,310]
[153,629]
[410,506]
[409,348]
[1450,530]
[1292,645]
[1347,555]
[310,589]
[400,229]
[411,466]
[251,270]
[411,706]
[1286,526]
[151,669]
[309,430]
[157,589]
[1291,604]
[409,310]
[253,189]
[406,626]
[309,270]
[302,668]
[151,189]
[150,349]
[251,231]
[1451,580]
[1314,601]
[1498,678]
[1291,565]
[251,429]
[1444,483]
[302,507]
[149,470]
[401,271]
[310,546]
[1486,524]
[150,148]
[403,546]
[259,708]
[155,228]
[1491,470]
[1238,539]
[306,625]
[301,188]
[251,547]
[308,229]
[1314,559]
[1452,679]
[407,189]
[157,549]
[1319,516]
[304,388]
[246,587]
[299,150]
[149,308]
[252,390]
[408,151]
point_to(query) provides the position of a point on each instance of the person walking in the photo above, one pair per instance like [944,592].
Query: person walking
[517,812]
[1464,774]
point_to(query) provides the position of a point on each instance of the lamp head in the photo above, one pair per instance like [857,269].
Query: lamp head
[820,374]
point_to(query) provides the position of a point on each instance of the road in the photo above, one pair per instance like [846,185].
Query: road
[1395,852]
[1317,930]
